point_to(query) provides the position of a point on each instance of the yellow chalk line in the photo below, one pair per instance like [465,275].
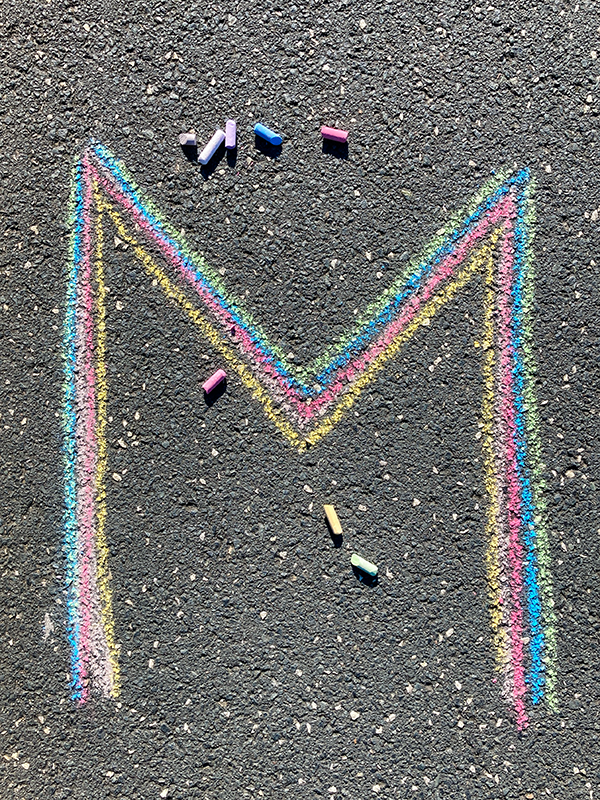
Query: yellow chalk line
[429,309]
[211,333]
[492,559]
[476,263]
[103,572]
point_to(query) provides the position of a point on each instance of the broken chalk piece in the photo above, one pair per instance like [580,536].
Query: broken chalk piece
[211,148]
[363,564]
[214,380]
[334,134]
[187,139]
[266,133]
[332,519]
[230,134]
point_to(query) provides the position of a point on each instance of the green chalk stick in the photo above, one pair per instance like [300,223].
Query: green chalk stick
[363,564]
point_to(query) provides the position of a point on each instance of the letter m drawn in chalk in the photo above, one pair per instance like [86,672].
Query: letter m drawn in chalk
[491,241]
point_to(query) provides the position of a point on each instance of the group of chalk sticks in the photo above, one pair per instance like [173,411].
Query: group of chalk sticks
[229,136]
[357,561]
[217,380]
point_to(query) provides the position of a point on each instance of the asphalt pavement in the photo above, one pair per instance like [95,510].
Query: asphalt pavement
[254,662]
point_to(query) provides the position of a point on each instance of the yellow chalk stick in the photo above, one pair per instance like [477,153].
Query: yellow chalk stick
[332,519]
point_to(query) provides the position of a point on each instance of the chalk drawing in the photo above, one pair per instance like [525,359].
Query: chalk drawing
[491,238]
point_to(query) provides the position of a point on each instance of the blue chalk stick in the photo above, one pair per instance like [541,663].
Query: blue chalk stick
[266,133]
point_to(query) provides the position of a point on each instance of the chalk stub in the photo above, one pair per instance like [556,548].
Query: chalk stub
[361,563]
[211,384]
[211,147]
[332,519]
[187,139]
[334,134]
[266,133]
[230,134]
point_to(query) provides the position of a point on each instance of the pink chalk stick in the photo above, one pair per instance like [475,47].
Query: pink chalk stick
[214,381]
[334,134]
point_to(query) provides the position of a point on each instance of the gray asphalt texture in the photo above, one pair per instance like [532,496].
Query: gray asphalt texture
[241,703]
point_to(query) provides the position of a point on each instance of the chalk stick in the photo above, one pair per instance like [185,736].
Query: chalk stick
[214,380]
[211,147]
[363,564]
[332,519]
[268,134]
[187,139]
[230,134]
[334,134]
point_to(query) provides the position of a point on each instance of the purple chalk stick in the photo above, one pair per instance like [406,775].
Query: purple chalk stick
[230,134]
[211,148]
[214,380]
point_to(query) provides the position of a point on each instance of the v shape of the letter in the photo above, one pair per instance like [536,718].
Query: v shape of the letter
[491,238]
